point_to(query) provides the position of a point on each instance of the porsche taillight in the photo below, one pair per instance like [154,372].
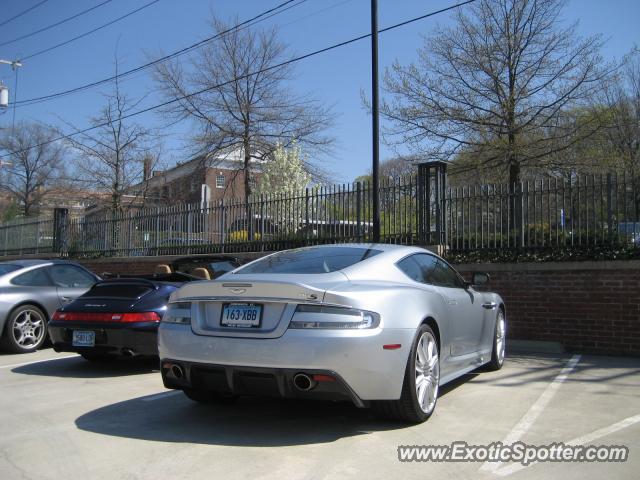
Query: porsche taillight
[106,317]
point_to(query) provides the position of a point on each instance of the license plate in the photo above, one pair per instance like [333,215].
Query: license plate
[241,315]
[83,339]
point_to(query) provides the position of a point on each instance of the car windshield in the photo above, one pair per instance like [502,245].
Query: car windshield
[310,260]
[8,267]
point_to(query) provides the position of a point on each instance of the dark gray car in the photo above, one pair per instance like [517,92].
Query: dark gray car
[30,292]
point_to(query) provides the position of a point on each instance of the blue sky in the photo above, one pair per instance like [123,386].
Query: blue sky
[335,78]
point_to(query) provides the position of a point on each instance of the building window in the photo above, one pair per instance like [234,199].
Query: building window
[220,181]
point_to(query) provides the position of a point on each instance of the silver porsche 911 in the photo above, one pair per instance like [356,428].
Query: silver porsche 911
[380,325]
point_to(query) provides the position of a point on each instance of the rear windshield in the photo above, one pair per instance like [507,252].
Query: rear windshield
[8,267]
[125,290]
[310,260]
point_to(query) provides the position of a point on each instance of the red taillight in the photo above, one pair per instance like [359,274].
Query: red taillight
[106,317]
[140,317]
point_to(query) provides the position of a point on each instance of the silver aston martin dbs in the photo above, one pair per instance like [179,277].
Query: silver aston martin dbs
[380,325]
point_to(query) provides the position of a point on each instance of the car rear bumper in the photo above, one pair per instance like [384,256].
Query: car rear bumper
[356,358]
[139,338]
[277,382]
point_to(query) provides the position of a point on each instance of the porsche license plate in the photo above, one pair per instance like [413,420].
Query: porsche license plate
[241,315]
[83,338]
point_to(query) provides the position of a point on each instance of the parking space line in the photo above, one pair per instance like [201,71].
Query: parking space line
[37,361]
[582,440]
[534,412]
[162,395]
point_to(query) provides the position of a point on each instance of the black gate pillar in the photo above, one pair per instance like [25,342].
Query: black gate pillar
[432,218]
[60,230]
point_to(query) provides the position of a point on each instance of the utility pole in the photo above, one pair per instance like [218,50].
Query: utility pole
[375,106]
[4,91]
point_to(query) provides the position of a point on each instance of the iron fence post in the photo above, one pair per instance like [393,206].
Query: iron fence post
[609,210]
[306,213]
[129,233]
[157,235]
[222,224]
[359,210]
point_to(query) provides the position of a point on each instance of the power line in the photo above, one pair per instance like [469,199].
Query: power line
[213,87]
[78,37]
[24,12]
[278,9]
[53,25]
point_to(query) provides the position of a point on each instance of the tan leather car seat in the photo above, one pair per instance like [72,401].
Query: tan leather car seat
[162,269]
[201,273]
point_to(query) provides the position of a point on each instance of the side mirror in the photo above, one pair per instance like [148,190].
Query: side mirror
[480,278]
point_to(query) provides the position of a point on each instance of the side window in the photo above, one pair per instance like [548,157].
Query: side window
[419,267]
[411,268]
[428,269]
[427,264]
[70,276]
[445,276]
[33,278]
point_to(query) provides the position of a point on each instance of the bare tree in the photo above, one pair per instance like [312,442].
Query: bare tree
[244,101]
[34,164]
[395,167]
[622,99]
[495,86]
[112,156]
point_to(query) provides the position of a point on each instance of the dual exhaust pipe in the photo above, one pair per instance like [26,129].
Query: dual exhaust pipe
[301,381]
[304,382]
[177,371]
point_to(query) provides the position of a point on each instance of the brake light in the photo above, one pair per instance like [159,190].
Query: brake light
[106,317]
[140,317]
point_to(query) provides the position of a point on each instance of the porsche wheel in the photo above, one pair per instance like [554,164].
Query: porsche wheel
[25,330]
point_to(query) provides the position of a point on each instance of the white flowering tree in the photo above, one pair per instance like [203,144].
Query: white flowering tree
[284,174]
[282,183]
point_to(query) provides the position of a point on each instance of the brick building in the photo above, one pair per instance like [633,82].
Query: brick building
[201,179]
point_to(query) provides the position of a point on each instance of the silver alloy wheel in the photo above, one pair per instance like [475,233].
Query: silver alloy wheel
[28,328]
[501,326]
[427,366]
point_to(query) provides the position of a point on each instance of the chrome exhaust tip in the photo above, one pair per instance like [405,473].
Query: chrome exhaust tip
[304,382]
[176,371]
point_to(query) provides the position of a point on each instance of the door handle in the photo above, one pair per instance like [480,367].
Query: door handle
[66,299]
[489,305]
[452,302]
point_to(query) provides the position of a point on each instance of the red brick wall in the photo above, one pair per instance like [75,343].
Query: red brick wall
[586,306]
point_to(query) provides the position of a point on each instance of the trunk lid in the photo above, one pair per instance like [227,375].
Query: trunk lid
[273,297]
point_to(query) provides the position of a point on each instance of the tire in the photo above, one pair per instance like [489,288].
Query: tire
[97,357]
[499,342]
[423,367]
[25,330]
[209,398]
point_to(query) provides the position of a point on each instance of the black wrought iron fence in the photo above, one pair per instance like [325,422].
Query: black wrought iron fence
[586,211]
[548,213]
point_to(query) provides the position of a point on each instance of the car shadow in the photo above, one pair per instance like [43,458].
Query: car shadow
[252,421]
[78,367]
